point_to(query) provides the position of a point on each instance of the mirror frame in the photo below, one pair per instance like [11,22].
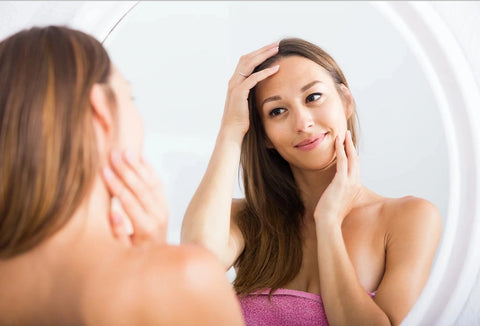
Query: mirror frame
[457,264]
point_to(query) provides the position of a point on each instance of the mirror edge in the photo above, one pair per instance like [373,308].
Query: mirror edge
[458,263]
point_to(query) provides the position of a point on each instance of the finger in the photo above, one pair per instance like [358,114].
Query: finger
[144,171]
[151,235]
[118,227]
[145,163]
[116,206]
[153,198]
[126,168]
[351,154]
[138,219]
[257,77]
[349,146]
[342,163]
[264,49]
[249,62]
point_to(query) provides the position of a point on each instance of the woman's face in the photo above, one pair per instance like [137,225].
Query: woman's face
[130,126]
[302,112]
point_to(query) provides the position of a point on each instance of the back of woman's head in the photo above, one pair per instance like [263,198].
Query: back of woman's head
[47,141]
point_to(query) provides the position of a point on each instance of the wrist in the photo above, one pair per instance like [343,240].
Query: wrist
[326,220]
[233,134]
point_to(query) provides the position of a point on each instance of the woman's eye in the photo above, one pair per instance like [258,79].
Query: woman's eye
[276,111]
[313,97]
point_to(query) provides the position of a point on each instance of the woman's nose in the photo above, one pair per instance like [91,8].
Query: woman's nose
[303,119]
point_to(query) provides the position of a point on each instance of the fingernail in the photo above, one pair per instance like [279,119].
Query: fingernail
[274,68]
[108,173]
[116,158]
[116,219]
[129,156]
[274,49]
[143,159]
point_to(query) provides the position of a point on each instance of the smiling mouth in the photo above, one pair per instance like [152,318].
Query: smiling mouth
[311,143]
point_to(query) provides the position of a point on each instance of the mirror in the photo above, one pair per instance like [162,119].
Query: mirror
[415,98]
[180,66]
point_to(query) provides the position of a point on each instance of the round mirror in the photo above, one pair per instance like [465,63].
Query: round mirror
[414,101]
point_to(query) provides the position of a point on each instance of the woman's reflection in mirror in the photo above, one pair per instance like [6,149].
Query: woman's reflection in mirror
[310,244]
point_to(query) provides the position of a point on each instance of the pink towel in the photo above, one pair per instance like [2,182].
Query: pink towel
[286,307]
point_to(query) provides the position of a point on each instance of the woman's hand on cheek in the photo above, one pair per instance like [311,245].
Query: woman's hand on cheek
[236,113]
[141,196]
[337,200]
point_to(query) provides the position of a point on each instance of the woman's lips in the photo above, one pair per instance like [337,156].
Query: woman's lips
[311,142]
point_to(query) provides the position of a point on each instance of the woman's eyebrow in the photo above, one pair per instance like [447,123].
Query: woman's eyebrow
[304,88]
[271,98]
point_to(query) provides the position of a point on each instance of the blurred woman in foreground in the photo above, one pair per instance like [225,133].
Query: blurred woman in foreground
[69,139]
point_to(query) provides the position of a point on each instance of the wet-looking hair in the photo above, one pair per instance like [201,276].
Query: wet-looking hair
[272,219]
[47,142]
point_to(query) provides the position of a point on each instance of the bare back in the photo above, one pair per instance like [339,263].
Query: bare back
[109,285]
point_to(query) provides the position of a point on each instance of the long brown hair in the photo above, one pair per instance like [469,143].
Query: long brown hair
[272,219]
[48,148]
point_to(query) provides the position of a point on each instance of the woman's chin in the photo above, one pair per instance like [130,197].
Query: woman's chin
[324,165]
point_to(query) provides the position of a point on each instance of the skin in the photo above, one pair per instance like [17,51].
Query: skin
[93,272]
[354,241]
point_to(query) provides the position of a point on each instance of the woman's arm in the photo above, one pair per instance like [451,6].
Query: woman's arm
[208,219]
[409,253]
[412,238]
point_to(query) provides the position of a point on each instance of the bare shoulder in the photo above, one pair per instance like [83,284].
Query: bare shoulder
[411,209]
[170,285]
[412,217]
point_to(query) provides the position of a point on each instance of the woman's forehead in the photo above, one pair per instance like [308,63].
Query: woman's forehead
[294,72]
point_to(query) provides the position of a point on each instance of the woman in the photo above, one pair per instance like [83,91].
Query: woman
[310,244]
[63,108]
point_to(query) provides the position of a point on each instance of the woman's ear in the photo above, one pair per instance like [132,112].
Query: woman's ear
[348,100]
[102,113]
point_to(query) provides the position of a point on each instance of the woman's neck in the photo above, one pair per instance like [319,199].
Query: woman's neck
[82,242]
[88,229]
[65,262]
[311,184]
